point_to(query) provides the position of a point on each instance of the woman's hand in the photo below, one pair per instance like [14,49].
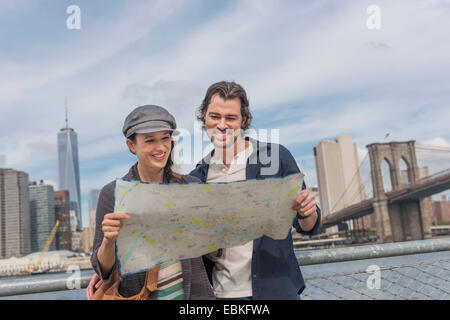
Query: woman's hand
[106,255]
[94,284]
[111,224]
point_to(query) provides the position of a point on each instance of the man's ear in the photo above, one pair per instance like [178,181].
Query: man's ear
[243,123]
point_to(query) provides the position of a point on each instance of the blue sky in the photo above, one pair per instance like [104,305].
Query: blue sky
[312,69]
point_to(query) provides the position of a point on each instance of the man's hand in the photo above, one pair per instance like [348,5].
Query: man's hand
[305,203]
[94,284]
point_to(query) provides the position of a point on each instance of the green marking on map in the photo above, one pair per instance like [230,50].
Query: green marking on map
[296,188]
[211,247]
[134,233]
[231,219]
[201,223]
[208,187]
[150,240]
[168,205]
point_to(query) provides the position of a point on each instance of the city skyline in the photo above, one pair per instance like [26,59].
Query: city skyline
[312,70]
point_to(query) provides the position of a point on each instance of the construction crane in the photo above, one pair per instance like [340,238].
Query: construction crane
[35,267]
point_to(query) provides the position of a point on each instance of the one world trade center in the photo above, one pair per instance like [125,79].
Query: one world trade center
[69,170]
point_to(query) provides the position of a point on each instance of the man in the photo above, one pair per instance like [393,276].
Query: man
[263,268]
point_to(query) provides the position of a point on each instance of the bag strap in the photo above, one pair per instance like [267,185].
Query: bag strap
[152,278]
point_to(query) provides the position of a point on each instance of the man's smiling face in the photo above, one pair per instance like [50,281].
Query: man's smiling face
[223,121]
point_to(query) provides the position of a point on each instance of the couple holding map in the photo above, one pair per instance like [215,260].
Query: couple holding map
[221,232]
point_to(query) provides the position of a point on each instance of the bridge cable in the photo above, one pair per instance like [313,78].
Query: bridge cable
[351,181]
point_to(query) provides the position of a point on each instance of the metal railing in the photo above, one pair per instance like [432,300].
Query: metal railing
[66,281]
[38,284]
[309,257]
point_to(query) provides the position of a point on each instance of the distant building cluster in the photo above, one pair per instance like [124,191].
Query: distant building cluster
[28,214]
[30,211]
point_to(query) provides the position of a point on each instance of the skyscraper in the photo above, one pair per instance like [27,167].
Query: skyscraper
[42,215]
[14,214]
[338,174]
[68,169]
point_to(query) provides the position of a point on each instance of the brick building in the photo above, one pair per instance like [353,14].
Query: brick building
[441,210]
[62,213]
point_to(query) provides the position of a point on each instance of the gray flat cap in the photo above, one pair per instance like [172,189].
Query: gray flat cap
[147,119]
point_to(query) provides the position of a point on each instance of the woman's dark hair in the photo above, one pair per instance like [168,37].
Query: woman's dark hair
[227,91]
[168,175]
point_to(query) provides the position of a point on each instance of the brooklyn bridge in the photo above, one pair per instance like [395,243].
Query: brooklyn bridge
[395,197]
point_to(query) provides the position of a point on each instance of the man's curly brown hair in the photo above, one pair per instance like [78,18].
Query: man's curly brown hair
[227,91]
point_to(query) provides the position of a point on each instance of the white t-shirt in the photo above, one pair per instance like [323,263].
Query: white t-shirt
[232,271]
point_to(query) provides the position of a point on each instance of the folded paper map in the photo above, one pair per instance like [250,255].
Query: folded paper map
[181,221]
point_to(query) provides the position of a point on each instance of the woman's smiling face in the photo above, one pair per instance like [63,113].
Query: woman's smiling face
[152,149]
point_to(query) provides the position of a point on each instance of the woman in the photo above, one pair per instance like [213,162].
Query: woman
[148,130]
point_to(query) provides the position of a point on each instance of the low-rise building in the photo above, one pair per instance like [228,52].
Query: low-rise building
[77,241]
[52,261]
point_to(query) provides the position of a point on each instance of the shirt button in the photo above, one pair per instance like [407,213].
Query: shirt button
[254,276]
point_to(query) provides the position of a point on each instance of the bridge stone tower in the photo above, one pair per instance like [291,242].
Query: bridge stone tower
[403,220]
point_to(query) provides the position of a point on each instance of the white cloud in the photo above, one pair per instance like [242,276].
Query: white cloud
[99,179]
[433,153]
[313,55]
[52,183]
[107,39]
[437,142]
[30,150]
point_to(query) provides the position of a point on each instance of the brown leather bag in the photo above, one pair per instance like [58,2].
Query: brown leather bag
[110,291]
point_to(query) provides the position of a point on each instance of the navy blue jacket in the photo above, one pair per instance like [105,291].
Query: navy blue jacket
[275,270]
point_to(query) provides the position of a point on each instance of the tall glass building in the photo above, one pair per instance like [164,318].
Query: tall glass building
[42,215]
[69,170]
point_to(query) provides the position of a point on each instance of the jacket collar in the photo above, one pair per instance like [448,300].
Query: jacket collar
[132,174]
[253,163]
[257,146]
